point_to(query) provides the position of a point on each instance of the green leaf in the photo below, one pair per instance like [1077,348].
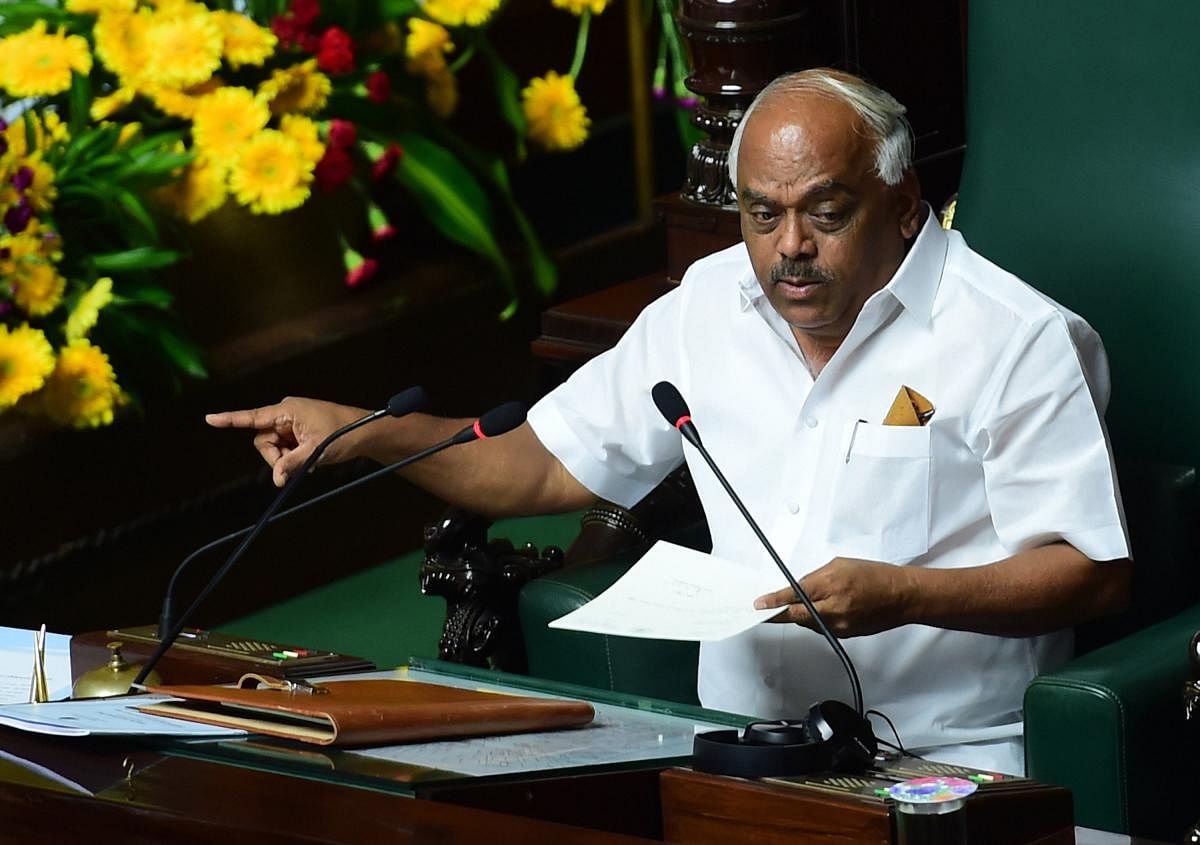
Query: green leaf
[451,198]
[81,101]
[508,94]
[141,293]
[136,210]
[393,9]
[17,17]
[545,273]
[139,258]
[181,352]
[159,141]
[153,166]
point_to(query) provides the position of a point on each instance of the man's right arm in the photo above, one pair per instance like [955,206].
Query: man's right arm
[512,474]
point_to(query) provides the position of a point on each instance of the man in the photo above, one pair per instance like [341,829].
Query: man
[952,554]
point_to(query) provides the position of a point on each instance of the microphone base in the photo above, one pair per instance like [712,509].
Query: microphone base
[833,738]
[211,657]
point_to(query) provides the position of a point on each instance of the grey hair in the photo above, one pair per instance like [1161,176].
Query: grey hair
[881,113]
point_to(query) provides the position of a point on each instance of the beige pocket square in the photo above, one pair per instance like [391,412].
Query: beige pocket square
[909,408]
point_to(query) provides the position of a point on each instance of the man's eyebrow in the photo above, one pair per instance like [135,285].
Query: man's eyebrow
[751,195]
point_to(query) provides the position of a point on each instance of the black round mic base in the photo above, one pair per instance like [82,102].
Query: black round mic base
[834,738]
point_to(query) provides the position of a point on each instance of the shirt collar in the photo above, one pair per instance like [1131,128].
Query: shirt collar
[914,284]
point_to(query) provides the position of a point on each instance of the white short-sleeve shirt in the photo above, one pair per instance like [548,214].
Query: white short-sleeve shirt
[1015,456]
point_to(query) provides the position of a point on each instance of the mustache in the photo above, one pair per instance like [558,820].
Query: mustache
[808,270]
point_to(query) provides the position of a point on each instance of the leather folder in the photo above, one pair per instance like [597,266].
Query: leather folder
[365,712]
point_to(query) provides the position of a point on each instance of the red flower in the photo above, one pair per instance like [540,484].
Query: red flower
[342,133]
[336,51]
[309,42]
[383,233]
[305,12]
[285,29]
[386,163]
[359,274]
[379,87]
[333,170]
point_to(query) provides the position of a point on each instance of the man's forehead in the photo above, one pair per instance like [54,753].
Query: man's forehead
[805,133]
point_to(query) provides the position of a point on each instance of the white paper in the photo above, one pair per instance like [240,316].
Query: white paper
[16,665]
[676,593]
[105,717]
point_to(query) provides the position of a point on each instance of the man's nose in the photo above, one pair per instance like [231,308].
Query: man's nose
[794,239]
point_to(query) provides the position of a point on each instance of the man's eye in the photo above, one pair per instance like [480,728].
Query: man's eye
[762,216]
[829,217]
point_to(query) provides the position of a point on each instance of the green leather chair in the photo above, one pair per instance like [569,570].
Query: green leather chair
[1082,175]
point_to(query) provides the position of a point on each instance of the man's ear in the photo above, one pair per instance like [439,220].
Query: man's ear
[908,204]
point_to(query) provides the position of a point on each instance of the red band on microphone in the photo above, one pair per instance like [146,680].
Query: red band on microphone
[479,431]
[682,421]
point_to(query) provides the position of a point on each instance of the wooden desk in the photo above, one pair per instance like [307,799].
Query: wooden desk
[135,794]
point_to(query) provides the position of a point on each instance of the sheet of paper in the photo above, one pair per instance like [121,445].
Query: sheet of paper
[676,593]
[104,716]
[16,664]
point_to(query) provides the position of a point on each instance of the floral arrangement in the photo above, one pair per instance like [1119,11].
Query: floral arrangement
[126,120]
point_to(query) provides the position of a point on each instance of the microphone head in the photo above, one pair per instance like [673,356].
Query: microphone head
[501,419]
[670,403]
[407,401]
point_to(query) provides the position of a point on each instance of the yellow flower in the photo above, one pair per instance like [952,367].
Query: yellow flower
[426,47]
[557,119]
[82,390]
[121,43]
[26,358]
[304,132]
[459,12]
[37,287]
[87,310]
[105,107]
[299,88]
[183,50]
[129,133]
[441,89]
[95,7]
[271,174]
[578,7]
[225,120]
[42,191]
[181,103]
[199,191]
[37,242]
[35,63]
[246,43]
[47,131]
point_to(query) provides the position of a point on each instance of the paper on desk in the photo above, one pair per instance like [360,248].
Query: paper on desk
[16,664]
[104,717]
[676,593]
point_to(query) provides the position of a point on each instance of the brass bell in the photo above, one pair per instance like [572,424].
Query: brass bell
[113,678]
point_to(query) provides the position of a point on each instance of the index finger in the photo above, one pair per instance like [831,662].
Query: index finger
[267,417]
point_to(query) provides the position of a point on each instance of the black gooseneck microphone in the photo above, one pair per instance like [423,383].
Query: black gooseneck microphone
[498,420]
[833,736]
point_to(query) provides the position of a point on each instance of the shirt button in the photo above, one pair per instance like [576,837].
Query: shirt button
[811,422]
[793,508]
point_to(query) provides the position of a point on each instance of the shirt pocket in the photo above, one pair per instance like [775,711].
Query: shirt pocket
[880,505]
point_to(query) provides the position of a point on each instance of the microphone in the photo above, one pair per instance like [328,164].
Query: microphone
[495,422]
[833,736]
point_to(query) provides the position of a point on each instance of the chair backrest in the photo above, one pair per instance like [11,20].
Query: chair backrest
[1082,176]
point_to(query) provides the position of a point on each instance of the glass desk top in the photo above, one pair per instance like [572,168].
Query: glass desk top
[628,733]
